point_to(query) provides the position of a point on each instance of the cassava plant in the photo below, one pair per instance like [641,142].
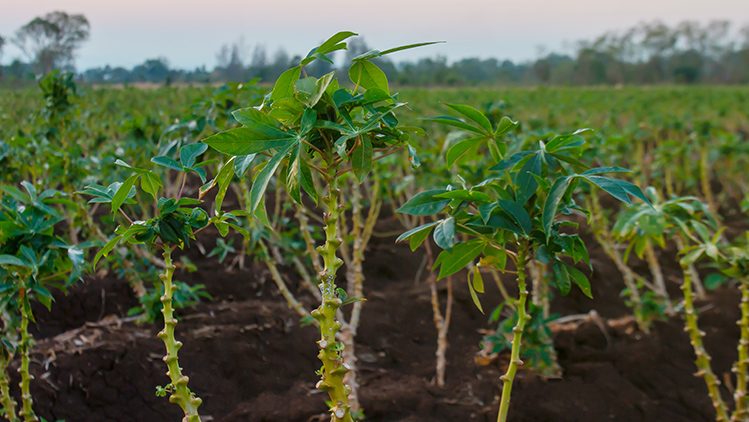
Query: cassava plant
[705,243]
[173,225]
[34,259]
[316,134]
[644,227]
[646,305]
[515,215]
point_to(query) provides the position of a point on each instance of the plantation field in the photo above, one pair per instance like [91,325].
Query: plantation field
[614,259]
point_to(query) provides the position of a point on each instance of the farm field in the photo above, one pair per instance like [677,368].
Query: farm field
[607,225]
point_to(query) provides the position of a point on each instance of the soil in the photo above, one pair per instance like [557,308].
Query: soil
[250,360]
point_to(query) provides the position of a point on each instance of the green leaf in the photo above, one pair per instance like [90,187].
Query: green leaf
[284,86]
[104,251]
[367,75]
[453,260]
[167,162]
[260,184]
[123,192]
[553,200]
[188,154]
[580,280]
[43,295]
[242,163]
[320,87]
[150,183]
[247,141]
[223,179]
[12,260]
[263,125]
[474,115]
[425,203]
[330,45]
[461,149]
[518,213]
[408,47]
[465,195]
[361,158]
[505,125]
[417,235]
[619,189]
[478,280]
[475,297]
[561,277]
[444,233]
[455,122]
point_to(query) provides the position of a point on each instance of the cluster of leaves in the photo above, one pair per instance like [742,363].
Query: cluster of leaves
[538,352]
[642,224]
[176,219]
[304,119]
[33,257]
[185,295]
[524,198]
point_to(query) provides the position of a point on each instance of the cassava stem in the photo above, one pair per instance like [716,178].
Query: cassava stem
[180,393]
[517,334]
[540,293]
[741,400]
[702,358]
[658,279]
[27,411]
[707,190]
[441,323]
[9,405]
[604,238]
[333,370]
[278,279]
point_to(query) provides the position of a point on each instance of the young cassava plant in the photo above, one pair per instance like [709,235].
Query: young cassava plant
[515,214]
[34,259]
[173,226]
[314,132]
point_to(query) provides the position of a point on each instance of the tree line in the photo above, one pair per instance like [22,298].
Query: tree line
[649,53]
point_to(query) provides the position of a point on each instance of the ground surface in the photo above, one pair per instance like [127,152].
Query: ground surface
[249,359]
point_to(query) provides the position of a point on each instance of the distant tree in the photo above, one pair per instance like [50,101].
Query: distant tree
[50,41]
[152,70]
[230,61]
[259,63]
[281,61]
[2,44]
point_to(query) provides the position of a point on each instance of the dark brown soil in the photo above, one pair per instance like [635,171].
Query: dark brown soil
[250,360]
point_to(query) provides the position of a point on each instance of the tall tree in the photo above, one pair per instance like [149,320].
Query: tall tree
[50,41]
[231,61]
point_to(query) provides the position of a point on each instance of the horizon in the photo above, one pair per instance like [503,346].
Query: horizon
[127,35]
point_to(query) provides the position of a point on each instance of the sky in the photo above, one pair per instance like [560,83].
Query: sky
[189,33]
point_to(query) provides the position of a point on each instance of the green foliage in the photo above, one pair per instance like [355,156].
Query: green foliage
[538,350]
[525,195]
[33,257]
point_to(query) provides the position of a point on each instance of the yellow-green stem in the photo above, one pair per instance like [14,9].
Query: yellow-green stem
[603,236]
[278,279]
[741,400]
[27,411]
[180,393]
[517,334]
[707,190]
[9,405]
[702,358]
[333,370]
[658,279]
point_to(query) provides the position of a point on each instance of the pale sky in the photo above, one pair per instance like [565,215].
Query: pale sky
[190,32]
